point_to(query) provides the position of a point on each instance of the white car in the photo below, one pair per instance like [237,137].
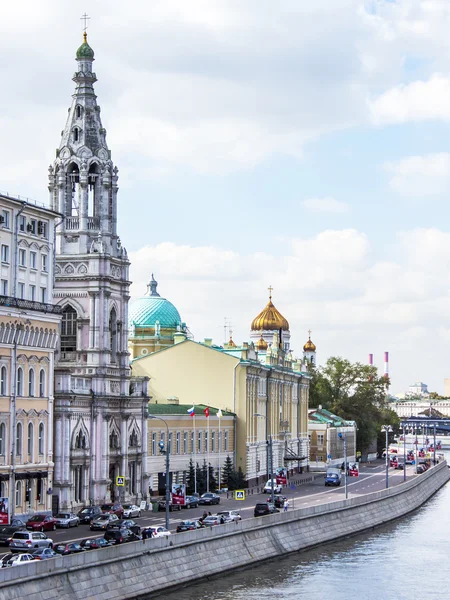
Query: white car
[17,559]
[157,532]
[130,511]
[276,487]
[230,515]
[67,520]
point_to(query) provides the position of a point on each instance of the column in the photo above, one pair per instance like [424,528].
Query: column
[58,446]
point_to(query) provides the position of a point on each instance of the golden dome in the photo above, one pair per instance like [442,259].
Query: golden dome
[309,346]
[269,319]
[231,344]
[261,344]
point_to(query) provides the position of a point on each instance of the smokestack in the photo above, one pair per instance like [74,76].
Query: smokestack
[371,359]
[386,365]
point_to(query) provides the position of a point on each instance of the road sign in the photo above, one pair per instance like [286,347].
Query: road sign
[120,480]
[239,495]
[329,456]
[292,486]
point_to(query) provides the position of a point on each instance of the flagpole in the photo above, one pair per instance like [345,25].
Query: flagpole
[220,443]
[195,458]
[207,458]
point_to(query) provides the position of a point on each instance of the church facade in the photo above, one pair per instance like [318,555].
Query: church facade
[100,410]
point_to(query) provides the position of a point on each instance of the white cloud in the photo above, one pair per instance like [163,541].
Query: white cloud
[426,175]
[326,205]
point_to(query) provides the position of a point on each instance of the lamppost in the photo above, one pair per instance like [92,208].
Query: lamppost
[344,437]
[388,430]
[434,443]
[165,451]
[270,447]
[404,452]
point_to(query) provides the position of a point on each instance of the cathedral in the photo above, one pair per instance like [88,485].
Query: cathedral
[100,410]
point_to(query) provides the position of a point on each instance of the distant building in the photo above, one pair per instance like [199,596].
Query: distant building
[326,445]
[418,389]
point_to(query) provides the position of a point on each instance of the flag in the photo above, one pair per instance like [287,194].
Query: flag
[219,413]
[206,411]
[191,411]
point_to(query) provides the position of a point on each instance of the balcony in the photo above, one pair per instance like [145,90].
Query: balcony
[30,305]
[73,223]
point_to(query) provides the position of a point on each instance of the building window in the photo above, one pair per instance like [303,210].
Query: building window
[42,383]
[225,441]
[5,253]
[18,493]
[2,439]
[170,443]
[199,446]
[69,330]
[31,383]
[3,381]
[78,111]
[33,260]
[4,287]
[213,441]
[177,449]
[133,441]
[21,290]
[19,439]
[42,229]
[113,334]
[44,261]
[22,257]
[32,292]
[320,439]
[75,134]
[206,442]
[5,219]
[41,438]
[19,383]
[43,295]
[30,439]
[31,227]
[185,442]
[22,223]
[192,442]
[154,444]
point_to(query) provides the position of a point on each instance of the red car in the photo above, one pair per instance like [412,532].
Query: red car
[41,523]
[114,508]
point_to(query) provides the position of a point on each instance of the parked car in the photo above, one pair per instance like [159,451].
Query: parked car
[272,483]
[162,505]
[212,520]
[230,515]
[278,500]
[6,533]
[67,520]
[17,559]
[157,532]
[332,479]
[125,524]
[121,536]
[41,523]
[102,521]
[5,558]
[265,508]
[131,510]
[209,498]
[69,548]
[113,508]
[191,502]
[95,543]
[44,553]
[189,526]
[88,513]
[26,540]
[18,523]
[400,466]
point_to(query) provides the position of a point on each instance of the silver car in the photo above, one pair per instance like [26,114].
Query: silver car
[28,540]
[103,521]
[230,515]
[130,511]
[18,559]
[67,520]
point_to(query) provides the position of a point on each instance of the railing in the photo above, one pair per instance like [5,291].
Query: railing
[93,223]
[30,305]
[72,223]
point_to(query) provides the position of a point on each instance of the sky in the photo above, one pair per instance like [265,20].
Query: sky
[299,145]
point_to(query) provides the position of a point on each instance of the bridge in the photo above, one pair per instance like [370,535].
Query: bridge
[431,423]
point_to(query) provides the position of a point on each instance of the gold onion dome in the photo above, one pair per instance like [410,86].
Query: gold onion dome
[309,346]
[270,319]
[231,344]
[261,344]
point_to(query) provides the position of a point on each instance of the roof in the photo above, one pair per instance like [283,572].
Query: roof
[321,415]
[85,51]
[152,308]
[269,319]
[182,409]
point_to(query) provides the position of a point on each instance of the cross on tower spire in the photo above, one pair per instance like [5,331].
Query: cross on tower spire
[85,18]
[270,288]
[309,333]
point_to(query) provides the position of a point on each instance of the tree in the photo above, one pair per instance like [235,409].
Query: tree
[228,474]
[191,478]
[201,480]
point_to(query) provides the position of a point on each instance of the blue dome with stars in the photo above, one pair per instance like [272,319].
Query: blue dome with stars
[151,308]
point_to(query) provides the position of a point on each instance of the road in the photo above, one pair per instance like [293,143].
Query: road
[371,479]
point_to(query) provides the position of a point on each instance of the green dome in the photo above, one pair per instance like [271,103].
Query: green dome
[85,51]
[145,311]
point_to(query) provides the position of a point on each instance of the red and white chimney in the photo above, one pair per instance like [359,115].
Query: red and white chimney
[371,360]
[386,365]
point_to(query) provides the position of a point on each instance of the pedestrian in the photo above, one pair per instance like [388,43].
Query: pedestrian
[144,534]
[209,514]
[286,505]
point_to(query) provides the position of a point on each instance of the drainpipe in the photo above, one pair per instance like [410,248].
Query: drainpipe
[13,376]
[16,248]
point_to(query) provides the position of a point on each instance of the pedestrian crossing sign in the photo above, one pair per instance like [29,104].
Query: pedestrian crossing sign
[120,480]
[239,495]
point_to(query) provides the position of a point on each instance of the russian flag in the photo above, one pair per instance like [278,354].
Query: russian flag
[191,411]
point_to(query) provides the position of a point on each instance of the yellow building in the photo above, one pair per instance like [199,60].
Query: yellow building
[29,330]
[327,432]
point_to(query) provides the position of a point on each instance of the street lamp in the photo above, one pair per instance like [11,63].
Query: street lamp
[388,430]
[404,452]
[270,447]
[434,444]
[343,436]
[165,451]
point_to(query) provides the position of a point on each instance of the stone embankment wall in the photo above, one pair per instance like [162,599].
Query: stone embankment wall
[135,570]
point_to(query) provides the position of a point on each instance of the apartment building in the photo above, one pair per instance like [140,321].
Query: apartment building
[29,329]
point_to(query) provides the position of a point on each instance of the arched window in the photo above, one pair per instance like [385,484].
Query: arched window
[75,134]
[113,441]
[133,442]
[19,439]
[78,111]
[42,383]
[2,439]
[19,387]
[41,438]
[3,381]
[68,331]
[31,383]
[18,493]
[80,440]
[113,334]
[30,439]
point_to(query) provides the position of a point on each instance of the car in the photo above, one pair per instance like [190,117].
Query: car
[44,553]
[156,532]
[102,521]
[113,508]
[400,466]
[212,520]
[41,523]
[278,500]
[88,513]
[69,548]
[121,536]
[209,498]
[332,479]
[17,559]
[272,483]
[265,508]
[67,520]
[230,515]
[420,469]
[189,526]
[125,524]
[6,533]
[5,558]
[26,540]
[18,523]
[131,510]
[95,543]
[191,502]
[162,505]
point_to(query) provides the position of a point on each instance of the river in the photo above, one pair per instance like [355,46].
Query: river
[407,559]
